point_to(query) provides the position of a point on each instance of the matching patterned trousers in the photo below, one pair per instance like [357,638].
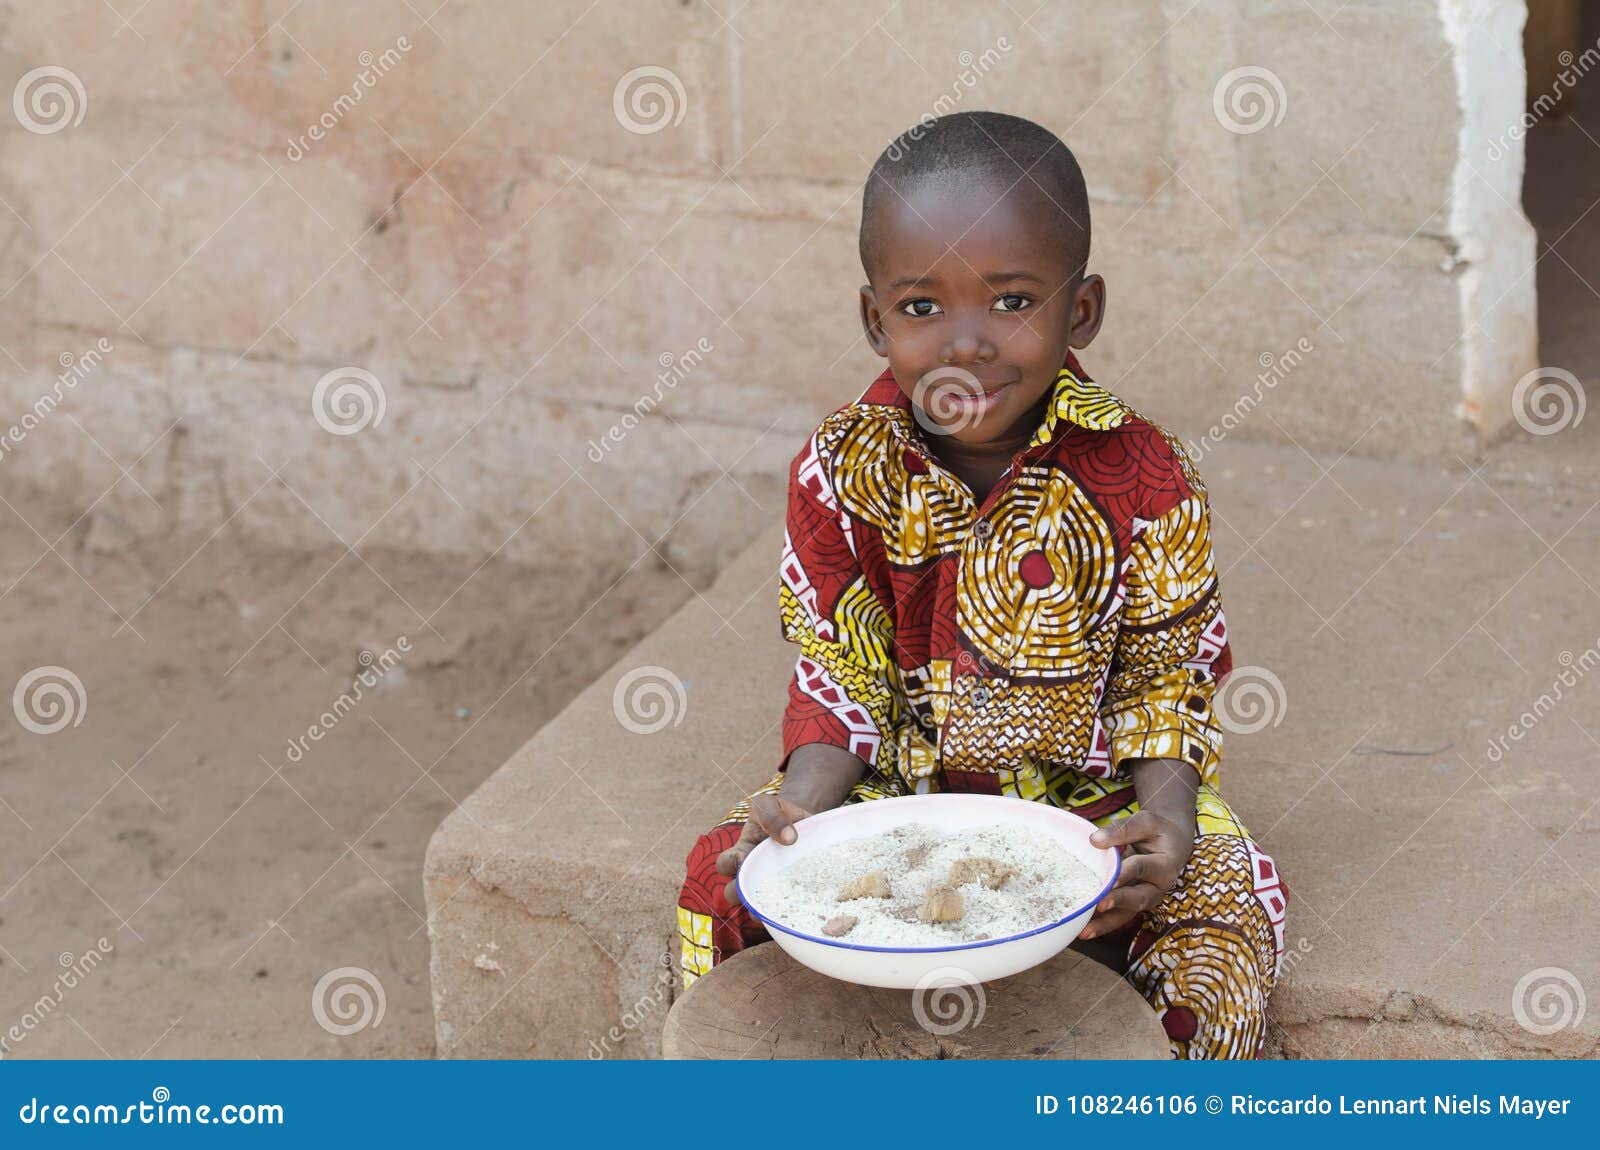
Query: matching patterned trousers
[1205,957]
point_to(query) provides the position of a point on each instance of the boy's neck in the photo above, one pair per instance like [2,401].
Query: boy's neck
[998,452]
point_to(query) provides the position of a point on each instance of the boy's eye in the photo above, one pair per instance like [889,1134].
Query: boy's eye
[1012,302]
[920,307]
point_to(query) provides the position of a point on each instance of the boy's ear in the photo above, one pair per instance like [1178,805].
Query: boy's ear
[872,321]
[1088,311]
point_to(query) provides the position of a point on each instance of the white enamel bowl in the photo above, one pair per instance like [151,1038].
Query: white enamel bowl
[911,968]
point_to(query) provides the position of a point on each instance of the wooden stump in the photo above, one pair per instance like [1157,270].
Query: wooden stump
[760,1003]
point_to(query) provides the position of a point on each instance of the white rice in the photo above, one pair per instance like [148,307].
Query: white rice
[1050,882]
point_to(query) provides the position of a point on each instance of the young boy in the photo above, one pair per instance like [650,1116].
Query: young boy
[1000,579]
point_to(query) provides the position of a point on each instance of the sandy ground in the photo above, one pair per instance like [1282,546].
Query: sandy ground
[172,820]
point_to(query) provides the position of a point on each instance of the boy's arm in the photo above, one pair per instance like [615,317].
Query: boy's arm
[1172,650]
[845,696]
[1172,646]
[820,777]
[1166,787]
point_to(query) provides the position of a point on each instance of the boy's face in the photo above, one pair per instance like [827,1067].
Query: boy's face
[974,301]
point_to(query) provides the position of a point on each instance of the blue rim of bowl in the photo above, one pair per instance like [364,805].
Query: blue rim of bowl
[1088,906]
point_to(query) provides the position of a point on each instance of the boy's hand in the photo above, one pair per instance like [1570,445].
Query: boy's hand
[771,815]
[1160,848]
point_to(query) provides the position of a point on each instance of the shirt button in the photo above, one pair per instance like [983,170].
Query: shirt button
[980,696]
[983,529]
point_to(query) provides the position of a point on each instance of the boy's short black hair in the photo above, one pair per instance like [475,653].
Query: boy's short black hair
[986,146]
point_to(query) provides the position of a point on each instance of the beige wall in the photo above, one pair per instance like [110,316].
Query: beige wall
[483,234]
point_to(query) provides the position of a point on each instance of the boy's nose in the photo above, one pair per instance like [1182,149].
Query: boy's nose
[971,347]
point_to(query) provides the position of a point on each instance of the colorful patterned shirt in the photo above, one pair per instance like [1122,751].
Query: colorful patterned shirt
[1069,623]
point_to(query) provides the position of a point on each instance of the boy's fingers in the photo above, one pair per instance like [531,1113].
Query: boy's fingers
[777,816]
[1134,829]
[1117,899]
[1119,907]
[794,812]
[729,861]
[765,814]
[1106,924]
[1141,869]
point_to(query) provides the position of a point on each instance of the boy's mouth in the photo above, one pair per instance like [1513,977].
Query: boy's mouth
[955,398]
[974,402]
